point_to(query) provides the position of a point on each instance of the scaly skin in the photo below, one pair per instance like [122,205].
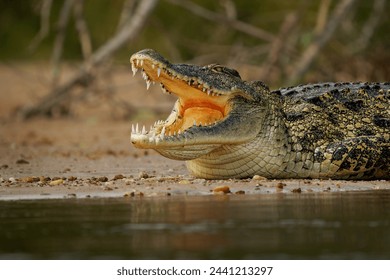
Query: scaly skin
[225,127]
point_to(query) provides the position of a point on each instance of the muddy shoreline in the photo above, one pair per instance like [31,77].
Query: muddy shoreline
[88,154]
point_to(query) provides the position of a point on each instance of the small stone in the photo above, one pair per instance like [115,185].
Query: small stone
[72,178]
[118,177]
[102,179]
[240,192]
[143,175]
[127,194]
[298,190]
[30,179]
[258,177]
[184,182]
[222,189]
[129,181]
[22,161]
[280,185]
[56,182]
[44,179]
[4,166]
[11,179]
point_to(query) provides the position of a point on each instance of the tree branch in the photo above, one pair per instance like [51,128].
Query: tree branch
[309,55]
[82,29]
[44,25]
[279,44]
[369,28]
[60,39]
[236,24]
[85,77]
[127,11]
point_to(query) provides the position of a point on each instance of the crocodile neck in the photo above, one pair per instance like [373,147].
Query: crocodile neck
[265,155]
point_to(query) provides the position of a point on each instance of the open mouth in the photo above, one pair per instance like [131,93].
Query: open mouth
[198,104]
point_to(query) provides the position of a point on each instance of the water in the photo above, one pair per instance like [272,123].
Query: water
[344,225]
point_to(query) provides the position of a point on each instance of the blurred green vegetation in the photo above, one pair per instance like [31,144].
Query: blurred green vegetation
[180,35]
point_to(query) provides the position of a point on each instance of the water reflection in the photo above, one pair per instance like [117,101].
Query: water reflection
[295,226]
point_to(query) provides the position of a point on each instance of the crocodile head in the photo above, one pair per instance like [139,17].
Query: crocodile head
[214,107]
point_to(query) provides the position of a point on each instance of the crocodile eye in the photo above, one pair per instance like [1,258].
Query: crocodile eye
[222,69]
[217,68]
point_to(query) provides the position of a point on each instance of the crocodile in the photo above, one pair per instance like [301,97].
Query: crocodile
[225,127]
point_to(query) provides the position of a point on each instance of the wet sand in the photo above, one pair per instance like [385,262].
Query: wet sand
[70,158]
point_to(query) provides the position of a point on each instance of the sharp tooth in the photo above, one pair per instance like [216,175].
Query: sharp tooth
[143,130]
[142,62]
[194,123]
[132,129]
[136,128]
[133,68]
[158,72]
[204,89]
[144,75]
[153,66]
[137,61]
[162,132]
[209,91]
[148,83]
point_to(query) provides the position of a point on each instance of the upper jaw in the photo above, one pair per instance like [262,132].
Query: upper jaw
[156,68]
[202,104]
